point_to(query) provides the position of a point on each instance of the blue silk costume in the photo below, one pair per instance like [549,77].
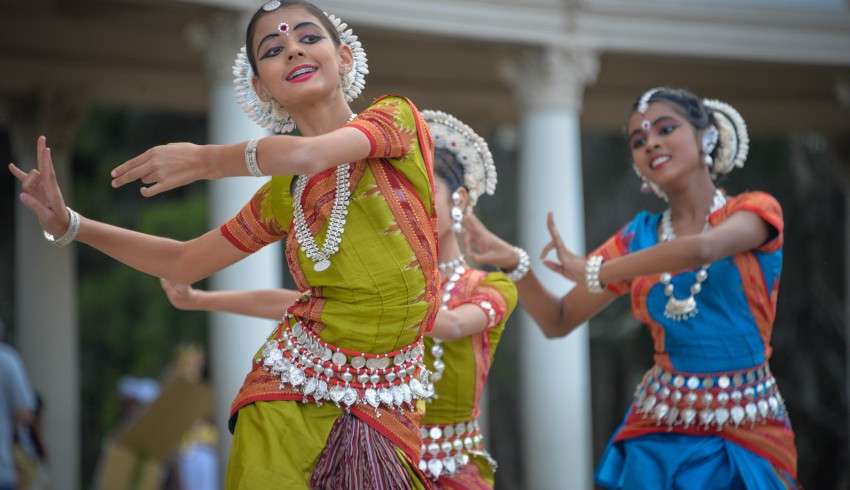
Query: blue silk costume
[709,413]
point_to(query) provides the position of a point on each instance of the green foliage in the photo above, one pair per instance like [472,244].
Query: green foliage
[127,326]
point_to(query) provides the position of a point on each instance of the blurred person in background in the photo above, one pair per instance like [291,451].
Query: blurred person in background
[30,451]
[17,408]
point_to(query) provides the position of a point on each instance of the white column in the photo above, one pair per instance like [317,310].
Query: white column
[234,339]
[555,381]
[46,285]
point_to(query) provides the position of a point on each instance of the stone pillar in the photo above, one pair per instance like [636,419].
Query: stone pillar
[46,283]
[555,378]
[234,339]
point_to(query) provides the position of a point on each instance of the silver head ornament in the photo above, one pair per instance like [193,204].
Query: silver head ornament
[271,6]
[732,136]
[643,106]
[470,150]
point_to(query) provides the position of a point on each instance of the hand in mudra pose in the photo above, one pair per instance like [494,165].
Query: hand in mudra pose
[484,247]
[568,264]
[163,168]
[40,191]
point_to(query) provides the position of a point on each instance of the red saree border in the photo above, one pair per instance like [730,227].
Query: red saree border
[772,440]
[467,478]
[400,427]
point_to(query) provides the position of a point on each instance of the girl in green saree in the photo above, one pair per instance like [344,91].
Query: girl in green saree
[335,398]
[475,306]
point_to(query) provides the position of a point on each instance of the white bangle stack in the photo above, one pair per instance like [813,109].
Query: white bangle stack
[70,234]
[591,274]
[522,267]
[251,158]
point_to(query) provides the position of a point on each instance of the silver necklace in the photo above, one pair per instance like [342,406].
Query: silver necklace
[685,308]
[321,257]
[453,270]
[447,267]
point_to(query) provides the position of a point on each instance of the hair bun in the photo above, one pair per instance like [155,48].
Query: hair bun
[470,150]
[734,139]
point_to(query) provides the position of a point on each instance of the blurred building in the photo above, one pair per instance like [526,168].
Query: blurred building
[535,72]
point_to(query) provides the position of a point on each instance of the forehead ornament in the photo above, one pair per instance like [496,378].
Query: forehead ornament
[271,6]
[643,106]
[283,27]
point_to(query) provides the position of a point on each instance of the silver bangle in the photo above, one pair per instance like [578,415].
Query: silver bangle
[70,234]
[251,158]
[522,267]
[591,274]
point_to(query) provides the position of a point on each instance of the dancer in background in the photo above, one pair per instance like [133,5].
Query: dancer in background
[335,397]
[704,277]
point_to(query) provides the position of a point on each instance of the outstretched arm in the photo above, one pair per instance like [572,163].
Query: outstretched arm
[166,167]
[555,315]
[743,231]
[262,303]
[172,259]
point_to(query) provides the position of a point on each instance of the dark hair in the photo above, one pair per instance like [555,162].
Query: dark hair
[448,168]
[688,105]
[309,7]
[685,103]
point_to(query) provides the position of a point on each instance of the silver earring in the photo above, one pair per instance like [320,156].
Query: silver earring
[709,143]
[348,79]
[457,213]
[646,186]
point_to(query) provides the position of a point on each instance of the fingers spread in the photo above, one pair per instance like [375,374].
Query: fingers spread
[48,169]
[40,145]
[18,173]
[553,229]
[547,248]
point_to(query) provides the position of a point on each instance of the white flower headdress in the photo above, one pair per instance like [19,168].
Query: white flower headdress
[270,114]
[733,137]
[470,150]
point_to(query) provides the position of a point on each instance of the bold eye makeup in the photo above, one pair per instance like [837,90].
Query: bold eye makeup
[271,52]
